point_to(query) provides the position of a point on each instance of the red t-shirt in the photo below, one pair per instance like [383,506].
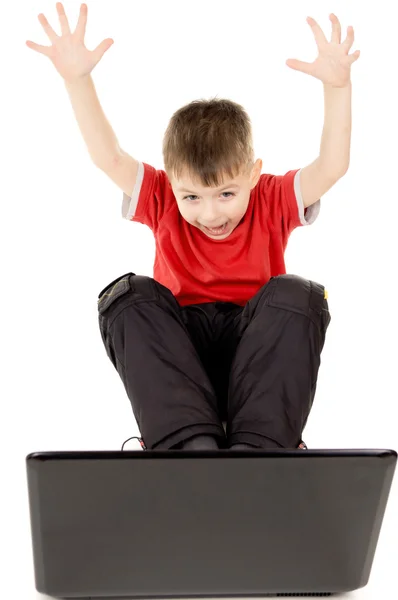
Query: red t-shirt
[199,269]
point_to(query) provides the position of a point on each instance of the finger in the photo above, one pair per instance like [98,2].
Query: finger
[100,50]
[63,19]
[39,48]
[353,57]
[349,40]
[299,65]
[47,28]
[80,30]
[317,31]
[336,29]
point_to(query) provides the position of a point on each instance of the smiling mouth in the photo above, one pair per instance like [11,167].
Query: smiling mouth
[216,230]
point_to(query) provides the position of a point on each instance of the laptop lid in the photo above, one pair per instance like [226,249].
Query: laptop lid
[178,523]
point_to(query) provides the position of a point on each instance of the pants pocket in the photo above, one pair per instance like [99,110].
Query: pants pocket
[301,296]
[113,291]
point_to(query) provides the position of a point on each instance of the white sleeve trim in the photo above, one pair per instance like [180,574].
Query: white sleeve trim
[307,216]
[130,203]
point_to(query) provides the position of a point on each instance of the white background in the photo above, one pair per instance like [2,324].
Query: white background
[63,238]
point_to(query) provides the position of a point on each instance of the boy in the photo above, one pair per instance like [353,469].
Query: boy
[220,333]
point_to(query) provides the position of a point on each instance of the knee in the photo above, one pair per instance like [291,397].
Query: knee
[143,287]
[129,288]
[292,281]
[297,294]
[298,288]
[289,287]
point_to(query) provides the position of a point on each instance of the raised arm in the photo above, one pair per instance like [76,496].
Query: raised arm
[333,68]
[74,62]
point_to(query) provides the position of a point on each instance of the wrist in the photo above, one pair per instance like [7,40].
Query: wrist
[346,86]
[77,81]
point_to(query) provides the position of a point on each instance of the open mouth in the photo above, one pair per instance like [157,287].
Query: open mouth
[217,230]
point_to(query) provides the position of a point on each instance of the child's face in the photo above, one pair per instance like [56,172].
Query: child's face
[216,211]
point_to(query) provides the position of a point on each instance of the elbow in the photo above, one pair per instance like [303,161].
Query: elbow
[337,173]
[333,170]
[104,163]
[344,170]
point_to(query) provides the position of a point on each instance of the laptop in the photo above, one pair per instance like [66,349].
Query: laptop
[176,523]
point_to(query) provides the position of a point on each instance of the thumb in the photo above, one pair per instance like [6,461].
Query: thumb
[299,65]
[100,50]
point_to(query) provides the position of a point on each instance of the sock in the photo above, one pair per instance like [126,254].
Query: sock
[201,442]
[241,447]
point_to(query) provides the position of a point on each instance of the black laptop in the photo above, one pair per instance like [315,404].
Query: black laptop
[173,524]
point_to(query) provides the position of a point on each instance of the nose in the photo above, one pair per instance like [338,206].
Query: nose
[209,215]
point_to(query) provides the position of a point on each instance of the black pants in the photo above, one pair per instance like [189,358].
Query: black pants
[188,369]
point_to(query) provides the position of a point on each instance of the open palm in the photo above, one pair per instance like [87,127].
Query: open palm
[333,63]
[68,53]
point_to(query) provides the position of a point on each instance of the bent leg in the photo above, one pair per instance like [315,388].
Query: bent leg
[149,345]
[274,373]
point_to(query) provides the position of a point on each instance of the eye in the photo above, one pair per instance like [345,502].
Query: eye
[192,196]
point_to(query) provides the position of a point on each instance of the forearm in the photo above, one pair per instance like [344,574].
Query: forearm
[334,156]
[97,133]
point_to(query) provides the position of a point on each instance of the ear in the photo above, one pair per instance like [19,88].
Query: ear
[256,172]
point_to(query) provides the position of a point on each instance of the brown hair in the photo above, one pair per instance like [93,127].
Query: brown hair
[207,139]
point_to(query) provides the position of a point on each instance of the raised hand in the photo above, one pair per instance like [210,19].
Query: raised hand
[68,53]
[333,63]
